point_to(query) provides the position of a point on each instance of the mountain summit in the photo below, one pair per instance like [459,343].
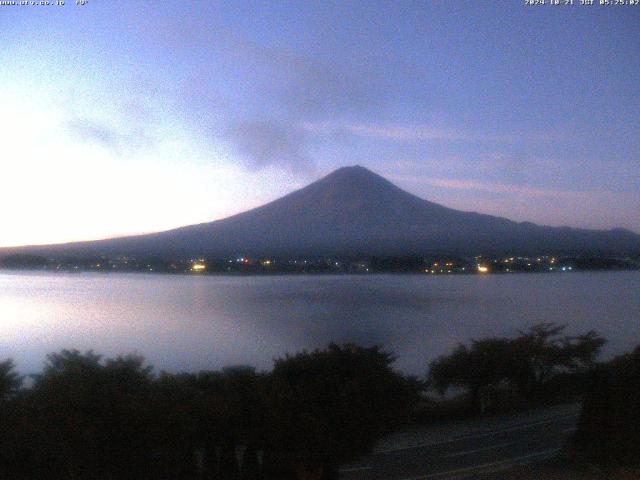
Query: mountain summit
[355,211]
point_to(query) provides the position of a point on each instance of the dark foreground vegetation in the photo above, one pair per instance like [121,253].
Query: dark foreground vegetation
[606,445]
[540,365]
[609,428]
[87,417]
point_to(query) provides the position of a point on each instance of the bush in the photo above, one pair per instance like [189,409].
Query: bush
[105,419]
[522,367]
[330,406]
[609,428]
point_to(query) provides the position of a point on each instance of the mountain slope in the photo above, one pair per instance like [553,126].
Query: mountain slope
[355,211]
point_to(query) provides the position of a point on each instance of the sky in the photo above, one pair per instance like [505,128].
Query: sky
[121,117]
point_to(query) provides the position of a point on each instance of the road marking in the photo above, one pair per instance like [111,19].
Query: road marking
[475,450]
[480,435]
[500,465]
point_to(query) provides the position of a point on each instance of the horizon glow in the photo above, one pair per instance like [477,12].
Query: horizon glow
[122,118]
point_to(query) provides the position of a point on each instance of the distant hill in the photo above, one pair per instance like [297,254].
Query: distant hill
[355,211]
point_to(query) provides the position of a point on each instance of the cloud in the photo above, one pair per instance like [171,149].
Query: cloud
[302,85]
[548,206]
[385,132]
[520,190]
[116,140]
[417,133]
[95,132]
[266,143]
[490,187]
[293,89]
[317,89]
[282,88]
[242,79]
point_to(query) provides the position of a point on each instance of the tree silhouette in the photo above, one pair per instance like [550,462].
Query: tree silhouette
[90,418]
[526,362]
[609,427]
[547,352]
[10,380]
[87,417]
[483,363]
[331,406]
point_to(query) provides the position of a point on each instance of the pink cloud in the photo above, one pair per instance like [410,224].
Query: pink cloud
[502,188]
[385,132]
[467,184]
[416,133]
[582,209]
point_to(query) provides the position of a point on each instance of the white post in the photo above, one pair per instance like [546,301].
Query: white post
[199,458]
[260,455]
[240,449]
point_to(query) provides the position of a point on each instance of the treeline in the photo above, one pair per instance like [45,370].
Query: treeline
[540,365]
[86,417]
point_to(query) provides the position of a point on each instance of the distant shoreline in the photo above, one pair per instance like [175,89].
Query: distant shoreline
[303,274]
[428,264]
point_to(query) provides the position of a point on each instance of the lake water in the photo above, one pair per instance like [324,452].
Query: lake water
[206,322]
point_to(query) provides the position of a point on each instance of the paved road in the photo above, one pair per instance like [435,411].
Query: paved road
[465,451]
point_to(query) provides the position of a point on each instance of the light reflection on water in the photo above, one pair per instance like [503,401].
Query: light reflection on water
[205,322]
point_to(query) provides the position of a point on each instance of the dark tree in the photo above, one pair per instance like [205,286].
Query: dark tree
[609,427]
[23,261]
[484,363]
[103,419]
[90,418]
[208,414]
[547,353]
[10,381]
[12,435]
[527,362]
[330,406]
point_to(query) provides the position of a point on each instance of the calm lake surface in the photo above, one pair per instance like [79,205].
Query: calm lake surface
[206,322]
